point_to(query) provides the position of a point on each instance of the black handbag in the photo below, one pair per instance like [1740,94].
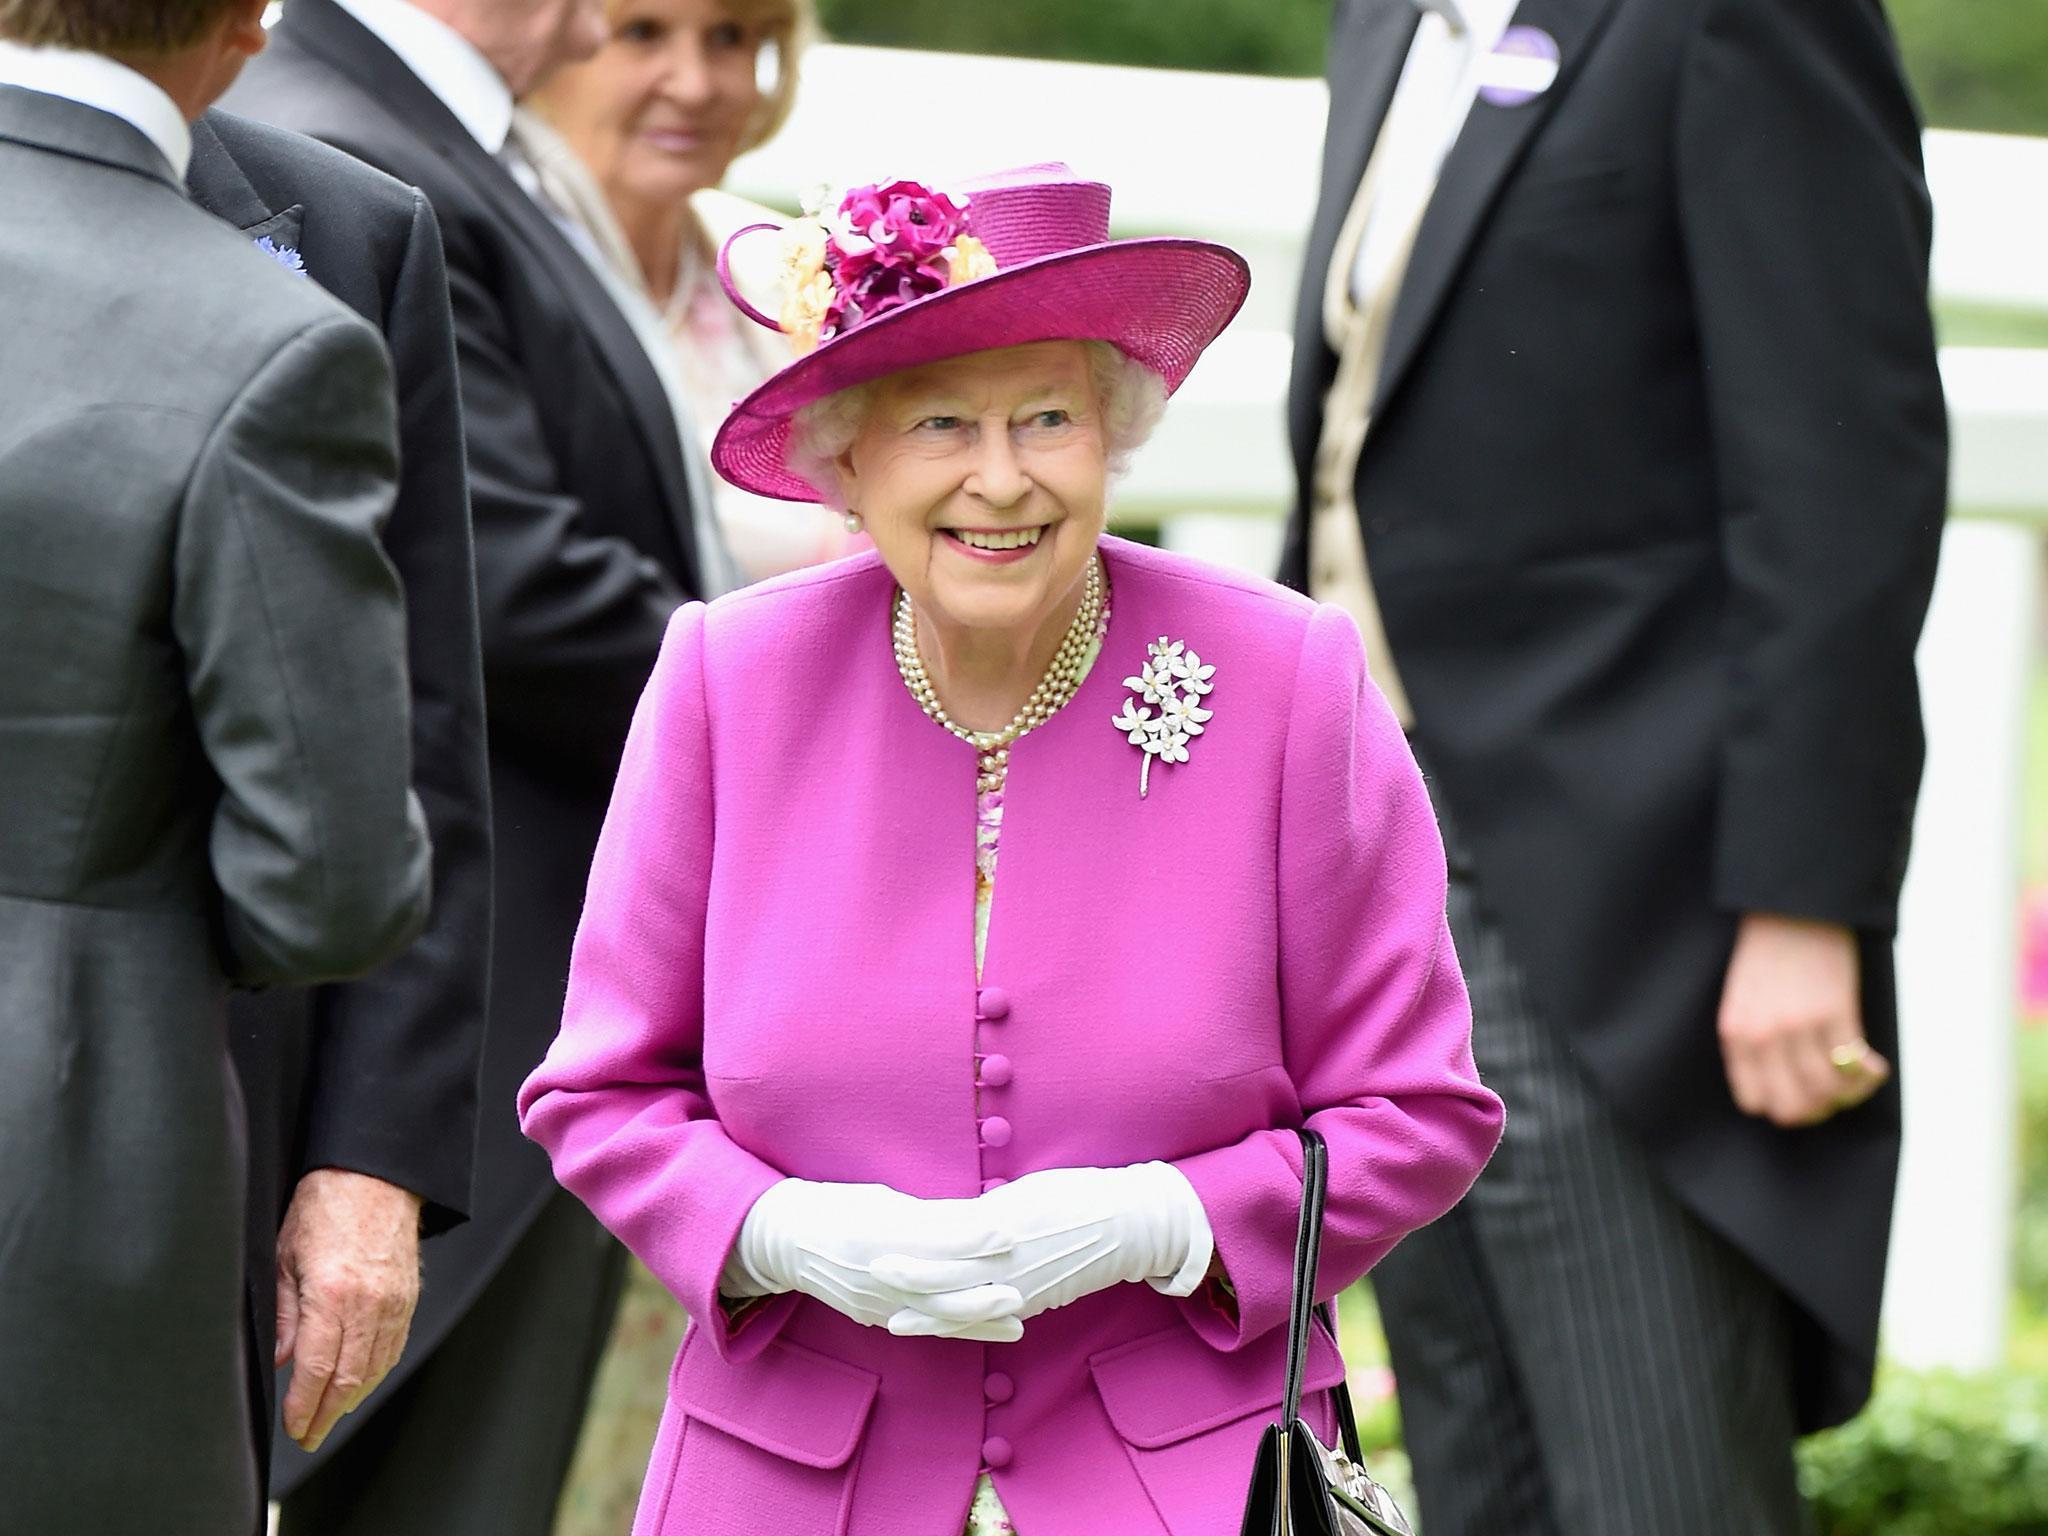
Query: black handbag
[1301,1487]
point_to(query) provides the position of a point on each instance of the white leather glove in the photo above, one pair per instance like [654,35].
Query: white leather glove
[1074,1231]
[826,1240]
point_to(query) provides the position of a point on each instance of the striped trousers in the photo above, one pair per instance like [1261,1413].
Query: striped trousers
[1575,1353]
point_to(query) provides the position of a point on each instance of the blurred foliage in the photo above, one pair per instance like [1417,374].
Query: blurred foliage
[1935,1455]
[2030,1239]
[1247,37]
[1964,324]
[1976,63]
[625,1410]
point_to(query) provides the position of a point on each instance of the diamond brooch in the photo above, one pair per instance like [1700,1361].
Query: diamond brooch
[1166,712]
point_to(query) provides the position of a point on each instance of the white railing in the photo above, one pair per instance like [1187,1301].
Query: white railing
[1236,158]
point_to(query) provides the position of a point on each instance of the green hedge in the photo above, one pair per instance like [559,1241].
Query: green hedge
[1936,1455]
[2031,1233]
[1976,63]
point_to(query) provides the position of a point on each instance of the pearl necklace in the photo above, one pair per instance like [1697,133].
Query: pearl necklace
[1061,681]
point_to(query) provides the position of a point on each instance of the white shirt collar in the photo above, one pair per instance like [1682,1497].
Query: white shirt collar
[447,63]
[93,80]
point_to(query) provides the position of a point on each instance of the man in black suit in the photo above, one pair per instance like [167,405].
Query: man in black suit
[1618,427]
[585,544]
[362,1096]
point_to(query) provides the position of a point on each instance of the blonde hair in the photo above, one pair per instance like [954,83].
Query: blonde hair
[1132,398]
[790,27]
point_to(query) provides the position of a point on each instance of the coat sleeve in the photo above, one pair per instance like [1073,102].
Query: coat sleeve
[1806,227]
[396,1054]
[292,626]
[571,619]
[1376,1026]
[620,1103]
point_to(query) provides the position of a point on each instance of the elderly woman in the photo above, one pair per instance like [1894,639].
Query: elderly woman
[981,1190]
[653,122]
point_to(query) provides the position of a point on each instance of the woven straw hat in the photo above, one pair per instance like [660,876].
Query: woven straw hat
[1057,277]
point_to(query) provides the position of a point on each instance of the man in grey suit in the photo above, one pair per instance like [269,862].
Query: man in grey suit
[203,747]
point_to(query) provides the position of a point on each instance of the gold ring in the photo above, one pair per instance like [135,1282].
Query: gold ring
[1851,1060]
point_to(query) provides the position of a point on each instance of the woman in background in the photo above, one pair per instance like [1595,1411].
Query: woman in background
[682,89]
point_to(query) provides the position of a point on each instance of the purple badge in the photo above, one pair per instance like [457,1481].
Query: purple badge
[1520,69]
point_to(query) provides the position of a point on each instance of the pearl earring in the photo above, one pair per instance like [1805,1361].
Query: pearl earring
[854,522]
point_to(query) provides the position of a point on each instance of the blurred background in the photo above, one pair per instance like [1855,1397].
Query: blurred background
[1956,1442]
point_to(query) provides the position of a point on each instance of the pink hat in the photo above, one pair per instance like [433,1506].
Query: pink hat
[905,275]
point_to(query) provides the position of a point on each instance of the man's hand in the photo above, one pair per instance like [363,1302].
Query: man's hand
[348,1278]
[1792,1022]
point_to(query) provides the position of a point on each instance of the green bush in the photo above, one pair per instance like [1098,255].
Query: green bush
[1936,1455]
[1976,63]
[2030,1235]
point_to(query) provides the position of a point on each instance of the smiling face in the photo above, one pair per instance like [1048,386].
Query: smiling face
[983,481]
[664,107]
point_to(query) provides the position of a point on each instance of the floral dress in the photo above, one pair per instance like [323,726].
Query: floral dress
[986,1515]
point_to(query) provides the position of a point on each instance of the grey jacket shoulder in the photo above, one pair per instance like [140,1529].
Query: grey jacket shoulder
[277,162]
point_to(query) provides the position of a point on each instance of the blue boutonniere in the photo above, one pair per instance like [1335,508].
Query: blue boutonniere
[284,255]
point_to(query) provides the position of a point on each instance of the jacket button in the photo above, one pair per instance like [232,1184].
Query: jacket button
[995,1452]
[995,1004]
[996,1072]
[995,1132]
[999,1388]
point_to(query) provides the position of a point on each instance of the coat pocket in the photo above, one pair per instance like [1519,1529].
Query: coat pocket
[1190,1415]
[766,1446]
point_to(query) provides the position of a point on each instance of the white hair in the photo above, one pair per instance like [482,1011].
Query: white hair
[1131,397]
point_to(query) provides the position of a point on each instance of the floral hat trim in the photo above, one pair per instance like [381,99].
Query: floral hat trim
[888,245]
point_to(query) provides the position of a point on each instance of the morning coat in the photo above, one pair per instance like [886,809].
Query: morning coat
[204,767]
[1652,498]
[377,1075]
[584,547]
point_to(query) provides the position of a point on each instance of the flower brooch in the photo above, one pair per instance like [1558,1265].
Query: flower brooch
[285,256]
[1174,680]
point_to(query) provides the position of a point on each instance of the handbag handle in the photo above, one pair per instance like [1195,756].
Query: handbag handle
[1308,1252]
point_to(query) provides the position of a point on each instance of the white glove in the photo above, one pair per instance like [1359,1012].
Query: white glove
[826,1240]
[1074,1231]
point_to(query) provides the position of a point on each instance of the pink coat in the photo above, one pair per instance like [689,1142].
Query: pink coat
[775,976]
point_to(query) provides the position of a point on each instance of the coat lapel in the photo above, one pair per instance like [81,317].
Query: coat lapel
[344,44]
[1486,152]
[605,324]
[1368,48]
[218,185]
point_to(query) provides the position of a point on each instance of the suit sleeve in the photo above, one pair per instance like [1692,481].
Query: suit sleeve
[293,630]
[1376,1028]
[396,1054]
[572,620]
[621,1103]
[1806,227]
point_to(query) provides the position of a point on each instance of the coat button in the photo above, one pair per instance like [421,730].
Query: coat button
[998,1387]
[995,1452]
[995,1004]
[995,1072]
[995,1132]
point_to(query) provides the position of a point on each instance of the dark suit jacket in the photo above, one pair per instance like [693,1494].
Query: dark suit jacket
[1652,500]
[204,775]
[583,550]
[378,1076]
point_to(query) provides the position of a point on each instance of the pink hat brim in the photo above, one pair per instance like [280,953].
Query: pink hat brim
[1159,301]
